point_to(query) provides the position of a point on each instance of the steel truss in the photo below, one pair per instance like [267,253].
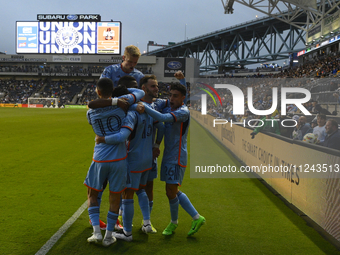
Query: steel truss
[261,40]
[290,10]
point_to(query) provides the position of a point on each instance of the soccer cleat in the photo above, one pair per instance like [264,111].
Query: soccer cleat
[118,226]
[121,235]
[120,220]
[153,230]
[196,224]
[169,229]
[102,225]
[95,238]
[108,241]
[147,228]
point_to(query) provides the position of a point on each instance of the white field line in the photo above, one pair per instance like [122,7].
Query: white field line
[49,244]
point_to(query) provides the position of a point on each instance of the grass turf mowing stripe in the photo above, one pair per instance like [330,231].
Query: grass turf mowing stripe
[45,155]
[49,244]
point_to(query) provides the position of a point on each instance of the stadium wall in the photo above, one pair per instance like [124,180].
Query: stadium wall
[318,198]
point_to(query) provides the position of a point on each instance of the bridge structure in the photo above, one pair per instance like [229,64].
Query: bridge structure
[267,39]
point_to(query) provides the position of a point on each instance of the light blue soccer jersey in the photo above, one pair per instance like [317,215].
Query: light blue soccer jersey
[154,105]
[176,131]
[107,121]
[140,141]
[115,72]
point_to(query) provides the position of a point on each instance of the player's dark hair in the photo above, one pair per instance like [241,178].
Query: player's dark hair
[127,81]
[181,88]
[105,86]
[146,78]
[120,91]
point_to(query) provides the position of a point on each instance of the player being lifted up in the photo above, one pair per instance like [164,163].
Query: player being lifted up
[127,67]
[139,129]
[109,164]
[176,117]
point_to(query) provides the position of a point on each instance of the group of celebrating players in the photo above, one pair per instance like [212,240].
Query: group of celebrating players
[126,120]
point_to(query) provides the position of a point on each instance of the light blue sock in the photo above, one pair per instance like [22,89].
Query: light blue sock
[143,201]
[150,205]
[111,220]
[174,209]
[186,204]
[128,211]
[94,215]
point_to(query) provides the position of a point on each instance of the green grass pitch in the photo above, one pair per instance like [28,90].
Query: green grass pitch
[45,155]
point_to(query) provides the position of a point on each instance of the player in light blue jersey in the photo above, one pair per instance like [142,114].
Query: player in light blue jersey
[139,129]
[134,96]
[127,67]
[109,163]
[176,117]
[149,85]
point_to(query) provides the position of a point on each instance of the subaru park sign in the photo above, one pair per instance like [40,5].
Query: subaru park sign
[69,17]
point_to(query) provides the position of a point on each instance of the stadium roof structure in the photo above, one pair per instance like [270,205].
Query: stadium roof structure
[261,40]
[288,10]
[267,39]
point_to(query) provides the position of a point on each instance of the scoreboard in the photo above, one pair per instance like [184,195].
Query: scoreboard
[67,37]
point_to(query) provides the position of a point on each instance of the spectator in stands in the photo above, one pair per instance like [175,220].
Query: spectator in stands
[309,106]
[301,129]
[269,126]
[320,129]
[337,96]
[314,106]
[289,126]
[332,139]
[314,123]
[321,110]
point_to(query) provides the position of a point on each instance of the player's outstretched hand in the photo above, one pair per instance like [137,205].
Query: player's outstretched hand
[179,75]
[100,139]
[253,134]
[140,107]
[123,104]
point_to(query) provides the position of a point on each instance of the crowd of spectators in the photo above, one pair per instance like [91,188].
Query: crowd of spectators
[43,68]
[319,67]
[25,68]
[262,91]
[18,91]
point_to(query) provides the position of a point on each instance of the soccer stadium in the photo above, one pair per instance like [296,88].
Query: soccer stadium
[224,143]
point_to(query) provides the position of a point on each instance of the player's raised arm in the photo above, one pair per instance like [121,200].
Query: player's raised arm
[134,96]
[178,115]
[137,93]
[180,77]
[122,101]
[100,103]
